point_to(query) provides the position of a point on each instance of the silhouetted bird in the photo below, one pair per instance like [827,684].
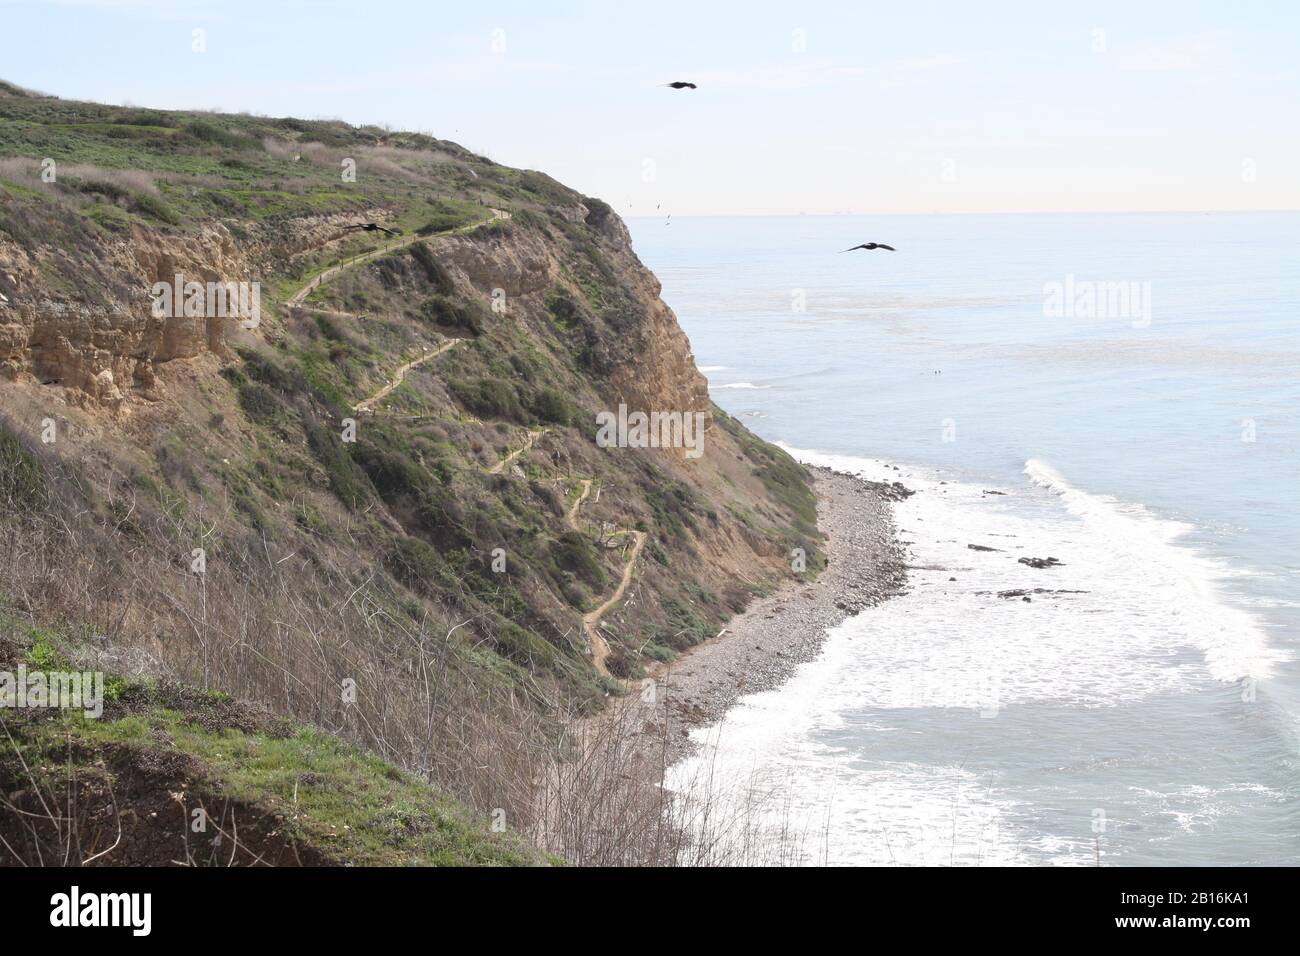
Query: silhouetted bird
[373,227]
[680,85]
[871,245]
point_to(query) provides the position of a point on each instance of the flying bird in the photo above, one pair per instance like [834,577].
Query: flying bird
[680,85]
[373,227]
[871,245]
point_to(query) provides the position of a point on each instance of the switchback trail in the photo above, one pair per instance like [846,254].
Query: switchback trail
[368,405]
[528,443]
[590,620]
[321,278]
[572,516]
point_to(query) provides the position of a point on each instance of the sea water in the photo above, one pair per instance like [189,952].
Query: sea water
[1131,386]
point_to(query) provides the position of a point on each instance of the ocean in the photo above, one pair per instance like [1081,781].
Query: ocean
[1131,385]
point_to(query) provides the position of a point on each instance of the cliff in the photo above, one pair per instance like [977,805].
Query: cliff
[373,498]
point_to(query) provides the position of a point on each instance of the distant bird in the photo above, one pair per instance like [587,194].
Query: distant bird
[680,85]
[872,245]
[373,227]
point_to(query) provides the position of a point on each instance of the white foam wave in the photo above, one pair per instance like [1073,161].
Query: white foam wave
[740,385]
[1150,620]
[1180,581]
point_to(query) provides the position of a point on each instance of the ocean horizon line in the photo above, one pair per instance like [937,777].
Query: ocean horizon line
[936,215]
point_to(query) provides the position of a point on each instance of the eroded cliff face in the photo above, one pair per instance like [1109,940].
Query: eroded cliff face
[86,322]
[644,356]
[105,349]
[396,476]
[662,373]
[410,404]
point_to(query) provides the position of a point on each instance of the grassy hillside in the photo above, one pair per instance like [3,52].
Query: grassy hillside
[441,563]
[170,774]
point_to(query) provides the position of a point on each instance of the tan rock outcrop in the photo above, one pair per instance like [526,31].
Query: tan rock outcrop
[105,352]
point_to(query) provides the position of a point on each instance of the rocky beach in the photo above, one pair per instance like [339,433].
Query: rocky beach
[761,648]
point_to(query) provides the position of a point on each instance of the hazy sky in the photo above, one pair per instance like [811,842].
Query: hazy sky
[802,107]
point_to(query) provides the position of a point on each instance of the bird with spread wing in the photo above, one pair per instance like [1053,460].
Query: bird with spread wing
[372,227]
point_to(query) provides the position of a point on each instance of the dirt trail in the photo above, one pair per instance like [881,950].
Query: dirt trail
[319,280]
[368,405]
[296,300]
[528,443]
[590,620]
[572,516]
[599,646]
[331,312]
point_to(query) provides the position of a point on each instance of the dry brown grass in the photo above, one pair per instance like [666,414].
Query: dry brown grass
[288,630]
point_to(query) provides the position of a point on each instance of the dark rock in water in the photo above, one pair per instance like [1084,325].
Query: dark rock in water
[890,490]
[1041,562]
[1026,599]
[1024,592]
[983,547]
[987,492]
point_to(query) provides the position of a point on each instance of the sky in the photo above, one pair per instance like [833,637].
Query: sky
[802,107]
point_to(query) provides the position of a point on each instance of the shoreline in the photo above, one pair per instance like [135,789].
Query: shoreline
[760,648]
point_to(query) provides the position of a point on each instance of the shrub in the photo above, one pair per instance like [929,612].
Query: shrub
[414,563]
[436,272]
[552,406]
[447,216]
[261,404]
[598,211]
[346,479]
[393,474]
[523,647]
[261,369]
[406,484]
[563,311]
[205,132]
[154,208]
[458,315]
[546,188]
[22,479]
[440,516]
[685,627]
[574,553]
[489,398]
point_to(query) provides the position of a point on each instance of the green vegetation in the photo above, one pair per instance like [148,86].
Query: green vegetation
[434,270]
[261,404]
[295,794]
[441,310]
[346,478]
[22,479]
[785,479]
[552,406]
[400,530]
[446,215]
[492,398]
[574,554]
